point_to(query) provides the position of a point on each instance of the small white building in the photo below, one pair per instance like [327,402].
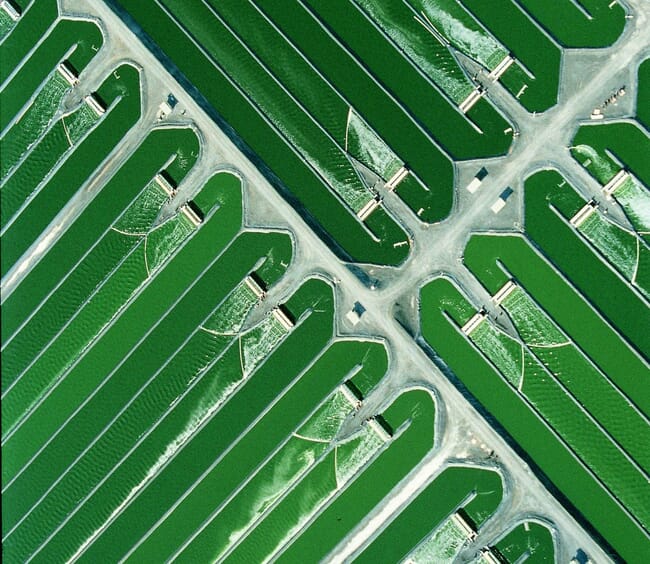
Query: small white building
[10,9]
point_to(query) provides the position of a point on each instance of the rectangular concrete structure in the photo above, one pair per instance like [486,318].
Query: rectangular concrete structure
[474,185]
[468,103]
[379,430]
[67,73]
[190,214]
[282,318]
[10,9]
[583,213]
[95,105]
[498,205]
[348,395]
[353,317]
[489,557]
[463,525]
[619,178]
[165,185]
[370,207]
[502,67]
[255,287]
[504,292]
[473,323]
[400,175]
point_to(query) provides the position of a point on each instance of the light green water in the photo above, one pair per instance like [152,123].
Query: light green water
[530,540]
[598,24]
[367,147]
[443,546]
[434,59]
[79,165]
[607,291]
[599,165]
[16,142]
[255,77]
[504,351]
[518,33]
[462,30]
[49,151]
[553,403]
[78,123]
[624,250]
[634,198]
[6,24]
[534,326]
[424,527]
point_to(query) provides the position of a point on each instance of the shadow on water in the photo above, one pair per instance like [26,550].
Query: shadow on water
[514,445]
[196,95]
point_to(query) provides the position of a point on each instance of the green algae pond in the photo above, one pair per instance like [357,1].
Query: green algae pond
[57,45]
[122,90]
[581,24]
[534,391]
[409,77]
[168,396]
[282,82]
[531,540]
[547,191]
[120,262]
[32,26]
[600,149]
[536,83]
[424,530]
[272,119]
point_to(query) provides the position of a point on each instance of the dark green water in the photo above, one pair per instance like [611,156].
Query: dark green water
[31,27]
[414,408]
[606,291]
[502,401]
[410,144]
[529,45]
[448,492]
[296,454]
[54,147]
[228,101]
[627,142]
[84,37]
[88,422]
[96,289]
[397,73]
[329,368]
[531,539]
[599,342]
[127,331]
[571,27]
[78,167]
